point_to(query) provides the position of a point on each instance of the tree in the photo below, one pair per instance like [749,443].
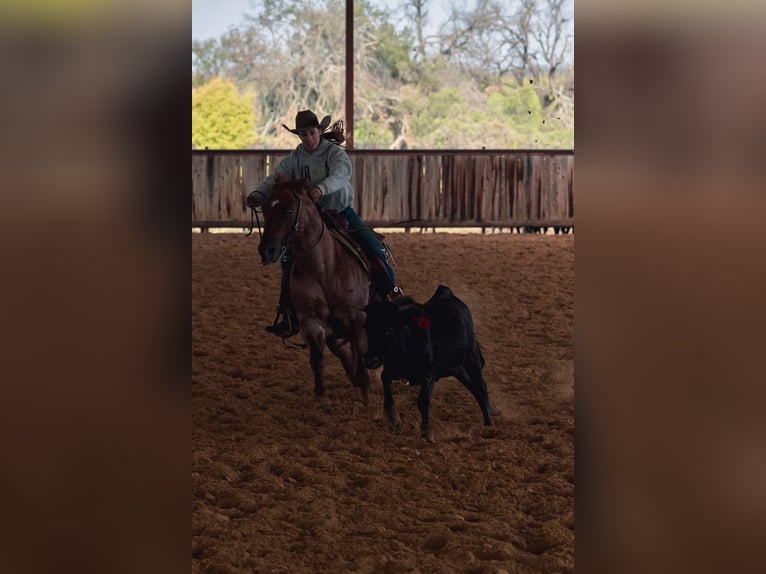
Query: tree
[221,118]
[471,84]
[296,57]
[520,109]
[415,15]
[525,39]
[293,54]
[209,61]
[553,37]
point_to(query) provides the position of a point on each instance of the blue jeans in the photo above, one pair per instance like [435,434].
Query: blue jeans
[368,241]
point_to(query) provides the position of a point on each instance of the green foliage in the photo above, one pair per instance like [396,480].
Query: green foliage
[431,111]
[369,133]
[428,75]
[517,106]
[221,118]
[393,52]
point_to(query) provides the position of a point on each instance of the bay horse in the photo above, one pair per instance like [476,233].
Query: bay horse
[328,287]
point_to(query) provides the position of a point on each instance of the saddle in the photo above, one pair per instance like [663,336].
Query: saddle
[338,227]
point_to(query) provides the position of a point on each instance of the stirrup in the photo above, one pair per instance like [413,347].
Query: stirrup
[285,327]
[394,293]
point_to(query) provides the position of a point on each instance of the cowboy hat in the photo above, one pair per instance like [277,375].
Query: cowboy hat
[307,119]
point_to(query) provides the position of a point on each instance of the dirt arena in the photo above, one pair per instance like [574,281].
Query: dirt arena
[279,486]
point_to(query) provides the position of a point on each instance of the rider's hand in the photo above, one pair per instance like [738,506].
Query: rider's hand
[315,193]
[254,200]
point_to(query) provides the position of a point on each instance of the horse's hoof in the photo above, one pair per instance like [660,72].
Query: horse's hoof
[396,426]
[322,402]
[428,435]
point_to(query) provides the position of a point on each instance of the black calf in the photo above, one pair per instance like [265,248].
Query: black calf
[423,343]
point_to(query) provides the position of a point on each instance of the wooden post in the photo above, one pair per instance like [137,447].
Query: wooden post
[349,74]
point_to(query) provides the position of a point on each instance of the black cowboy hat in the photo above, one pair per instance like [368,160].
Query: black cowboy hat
[307,119]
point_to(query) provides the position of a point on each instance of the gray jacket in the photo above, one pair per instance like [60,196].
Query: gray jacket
[328,168]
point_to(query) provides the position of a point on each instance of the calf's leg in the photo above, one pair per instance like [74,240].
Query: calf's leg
[424,405]
[474,382]
[388,402]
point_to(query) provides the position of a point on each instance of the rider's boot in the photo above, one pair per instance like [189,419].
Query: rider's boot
[383,289]
[286,319]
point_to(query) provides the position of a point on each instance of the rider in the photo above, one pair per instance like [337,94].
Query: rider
[327,168]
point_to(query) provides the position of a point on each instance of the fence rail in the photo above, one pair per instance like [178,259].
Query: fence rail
[487,188]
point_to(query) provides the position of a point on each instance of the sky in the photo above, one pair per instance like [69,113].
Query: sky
[211,18]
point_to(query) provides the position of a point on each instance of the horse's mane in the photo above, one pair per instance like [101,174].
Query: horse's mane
[290,183]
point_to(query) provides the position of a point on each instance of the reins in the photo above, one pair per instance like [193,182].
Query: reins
[254,210]
[295,226]
[249,233]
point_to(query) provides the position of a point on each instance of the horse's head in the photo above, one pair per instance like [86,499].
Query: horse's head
[282,215]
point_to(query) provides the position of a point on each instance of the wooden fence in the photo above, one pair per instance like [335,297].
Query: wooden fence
[408,188]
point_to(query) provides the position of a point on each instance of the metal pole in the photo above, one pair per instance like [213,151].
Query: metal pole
[349,74]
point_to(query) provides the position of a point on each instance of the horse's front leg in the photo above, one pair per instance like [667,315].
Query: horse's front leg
[388,401]
[358,344]
[314,335]
[355,372]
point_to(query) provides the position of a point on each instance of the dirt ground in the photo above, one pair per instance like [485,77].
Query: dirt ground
[279,486]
